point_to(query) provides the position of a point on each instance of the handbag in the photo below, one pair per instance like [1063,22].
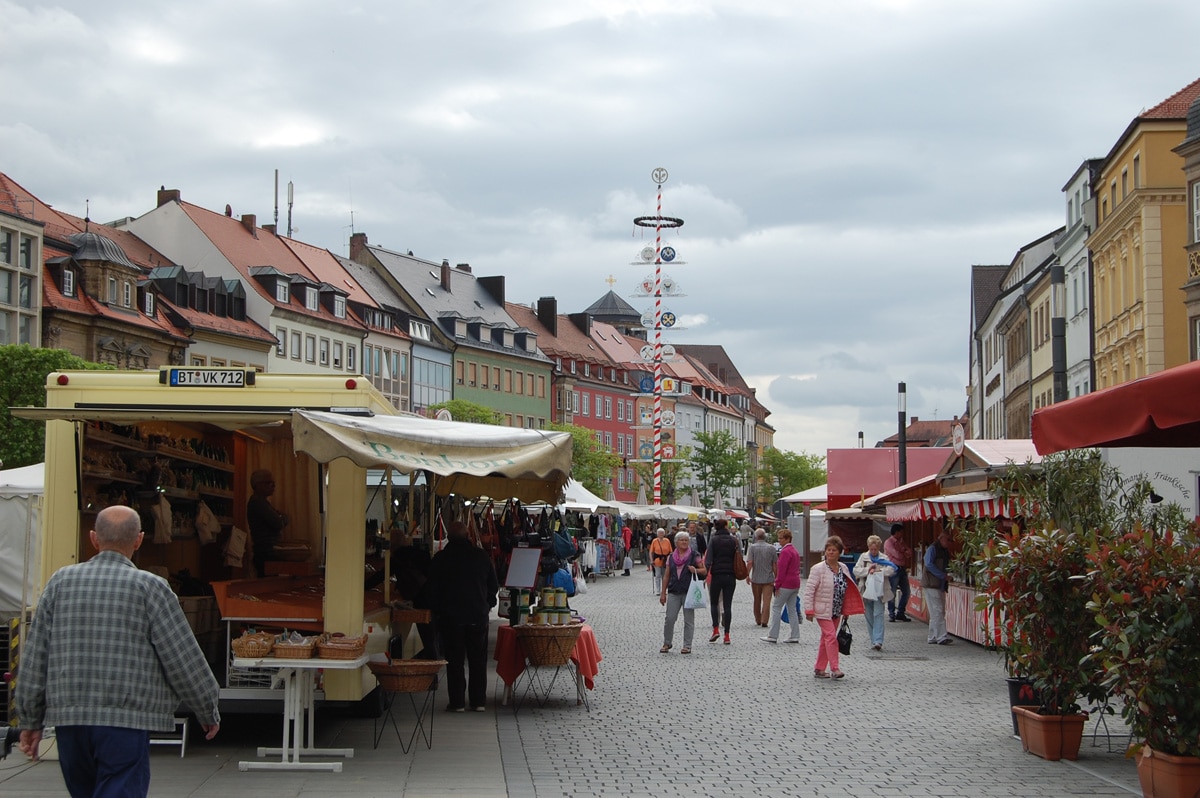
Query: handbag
[696,597]
[844,636]
[580,584]
[873,586]
[740,571]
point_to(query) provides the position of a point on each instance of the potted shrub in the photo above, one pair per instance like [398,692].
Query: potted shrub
[1147,608]
[1037,576]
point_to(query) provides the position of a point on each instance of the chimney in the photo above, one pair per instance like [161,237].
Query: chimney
[166,195]
[494,286]
[358,246]
[913,419]
[446,276]
[464,267]
[270,228]
[583,321]
[249,221]
[547,313]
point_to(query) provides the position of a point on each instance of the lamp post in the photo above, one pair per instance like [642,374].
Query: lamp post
[901,439]
[1058,331]
[860,439]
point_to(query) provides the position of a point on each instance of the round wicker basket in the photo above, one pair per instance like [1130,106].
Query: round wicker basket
[548,645]
[406,675]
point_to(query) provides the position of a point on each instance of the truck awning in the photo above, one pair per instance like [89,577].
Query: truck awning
[978,504]
[226,418]
[471,459]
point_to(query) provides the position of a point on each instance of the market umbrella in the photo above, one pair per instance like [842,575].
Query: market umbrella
[1156,410]
[641,499]
[696,497]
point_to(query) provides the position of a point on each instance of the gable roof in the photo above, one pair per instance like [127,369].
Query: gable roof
[570,342]
[986,281]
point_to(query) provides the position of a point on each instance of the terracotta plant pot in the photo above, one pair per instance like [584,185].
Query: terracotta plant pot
[1052,737]
[1166,775]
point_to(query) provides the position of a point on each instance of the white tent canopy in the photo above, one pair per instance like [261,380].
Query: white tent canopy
[471,459]
[817,495]
[20,513]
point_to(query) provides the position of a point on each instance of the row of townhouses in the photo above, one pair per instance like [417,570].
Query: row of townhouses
[183,285]
[1112,295]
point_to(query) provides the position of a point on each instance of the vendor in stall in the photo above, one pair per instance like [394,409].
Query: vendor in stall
[265,522]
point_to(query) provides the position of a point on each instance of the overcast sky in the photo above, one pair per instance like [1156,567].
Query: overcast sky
[839,165]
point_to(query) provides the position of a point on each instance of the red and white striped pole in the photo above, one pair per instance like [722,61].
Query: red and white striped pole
[658,450]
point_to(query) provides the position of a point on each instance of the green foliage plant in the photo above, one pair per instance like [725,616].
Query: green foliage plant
[1146,604]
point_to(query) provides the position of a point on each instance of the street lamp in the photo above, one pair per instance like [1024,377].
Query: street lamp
[1058,331]
[901,440]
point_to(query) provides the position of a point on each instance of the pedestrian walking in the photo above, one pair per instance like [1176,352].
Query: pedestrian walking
[829,594]
[683,565]
[722,549]
[901,555]
[873,572]
[660,549]
[108,658]
[761,561]
[786,588]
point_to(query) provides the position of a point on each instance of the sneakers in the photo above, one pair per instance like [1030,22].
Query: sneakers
[878,647]
[727,638]
[797,640]
[946,641]
[716,633]
[904,618]
[479,709]
[768,639]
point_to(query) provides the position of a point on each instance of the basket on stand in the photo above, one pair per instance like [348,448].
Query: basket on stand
[406,675]
[548,645]
[253,644]
[290,650]
[330,647]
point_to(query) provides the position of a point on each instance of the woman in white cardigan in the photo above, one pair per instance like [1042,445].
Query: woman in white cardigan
[874,604]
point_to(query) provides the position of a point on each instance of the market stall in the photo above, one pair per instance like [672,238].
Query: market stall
[167,442]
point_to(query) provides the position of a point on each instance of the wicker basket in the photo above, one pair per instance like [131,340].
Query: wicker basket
[330,647]
[253,644]
[548,645]
[406,675]
[291,650]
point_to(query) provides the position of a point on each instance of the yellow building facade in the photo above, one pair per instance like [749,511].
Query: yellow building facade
[1138,247]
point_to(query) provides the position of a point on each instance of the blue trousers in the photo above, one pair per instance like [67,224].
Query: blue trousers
[104,761]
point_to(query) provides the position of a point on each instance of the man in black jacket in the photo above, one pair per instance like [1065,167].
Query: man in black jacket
[464,592]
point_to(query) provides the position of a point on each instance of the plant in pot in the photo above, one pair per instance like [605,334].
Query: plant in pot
[1146,606]
[1036,575]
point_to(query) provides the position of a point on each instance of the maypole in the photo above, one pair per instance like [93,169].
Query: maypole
[659,222]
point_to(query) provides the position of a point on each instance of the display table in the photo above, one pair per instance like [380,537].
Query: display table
[511,662]
[299,678]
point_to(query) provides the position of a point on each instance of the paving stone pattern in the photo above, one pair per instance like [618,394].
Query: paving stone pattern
[747,719]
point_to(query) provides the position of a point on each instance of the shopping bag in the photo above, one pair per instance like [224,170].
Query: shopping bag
[580,584]
[844,636]
[697,597]
[794,608]
[628,562]
[873,587]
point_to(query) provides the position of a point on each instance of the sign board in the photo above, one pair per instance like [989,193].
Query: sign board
[959,438]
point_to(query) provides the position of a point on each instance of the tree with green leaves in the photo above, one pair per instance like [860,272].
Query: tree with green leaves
[673,472]
[463,410]
[591,464]
[23,371]
[719,462]
[781,472]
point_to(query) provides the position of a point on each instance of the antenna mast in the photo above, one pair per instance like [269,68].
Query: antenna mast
[289,209]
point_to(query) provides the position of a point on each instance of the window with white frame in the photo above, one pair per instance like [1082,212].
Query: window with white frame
[126,294]
[295,346]
[323,352]
[599,406]
[148,303]
[620,410]
[310,299]
[608,441]
[1196,212]
[281,291]
[350,357]
[337,354]
[587,369]
[339,307]
[574,401]
[112,290]
[587,403]
[281,345]
[607,407]
[310,348]
[68,282]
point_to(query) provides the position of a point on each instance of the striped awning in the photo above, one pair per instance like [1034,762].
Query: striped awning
[978,504]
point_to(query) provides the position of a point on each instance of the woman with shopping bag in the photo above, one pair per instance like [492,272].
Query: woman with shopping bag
[682,589]
[830,594]
[873,572]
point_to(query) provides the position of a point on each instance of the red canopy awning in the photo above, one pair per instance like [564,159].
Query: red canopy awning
[978,504]
[738,514]
[1157,410]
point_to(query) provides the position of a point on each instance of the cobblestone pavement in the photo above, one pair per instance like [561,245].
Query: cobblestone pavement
[912,720]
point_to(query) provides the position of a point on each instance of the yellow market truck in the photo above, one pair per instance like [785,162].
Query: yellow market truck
[180,444]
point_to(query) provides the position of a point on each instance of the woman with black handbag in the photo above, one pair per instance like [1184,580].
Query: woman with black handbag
[830,594]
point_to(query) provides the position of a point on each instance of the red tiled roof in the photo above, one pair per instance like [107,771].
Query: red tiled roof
[328,270]
[245,250]
[1176,106]
[570,342]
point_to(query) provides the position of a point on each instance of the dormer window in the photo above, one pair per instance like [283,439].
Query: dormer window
[126,294]
[281,292]
[310,299]
[112,290]
[572,366]
[419,330]
[339,307]
[587,369]
[148,304]
[68,282]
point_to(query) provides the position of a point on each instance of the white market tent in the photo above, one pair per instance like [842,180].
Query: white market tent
[20,520]
[817,495]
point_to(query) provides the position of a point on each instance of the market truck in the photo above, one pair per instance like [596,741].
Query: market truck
[179,444]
